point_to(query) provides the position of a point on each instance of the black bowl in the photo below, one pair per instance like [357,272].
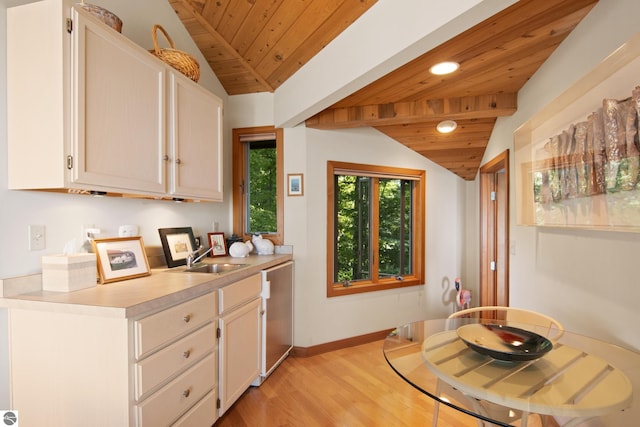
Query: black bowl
[504,342]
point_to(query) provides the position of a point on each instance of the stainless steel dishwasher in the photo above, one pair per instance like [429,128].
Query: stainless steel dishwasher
[277,318]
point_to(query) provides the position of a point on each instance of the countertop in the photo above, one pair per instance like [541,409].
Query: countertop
[134,297]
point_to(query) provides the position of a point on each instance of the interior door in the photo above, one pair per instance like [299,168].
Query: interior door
[494,231]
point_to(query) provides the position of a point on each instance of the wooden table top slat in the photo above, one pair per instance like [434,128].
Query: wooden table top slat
[564,382]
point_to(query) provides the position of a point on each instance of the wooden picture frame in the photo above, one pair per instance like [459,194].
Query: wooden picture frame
[120,258]
[295,184]
[177,244]
[218,244]
[571,186]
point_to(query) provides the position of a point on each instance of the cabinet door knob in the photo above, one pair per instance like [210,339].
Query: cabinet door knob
[187,318]
[178,161]
[186,393]
[186,354]
[165,158]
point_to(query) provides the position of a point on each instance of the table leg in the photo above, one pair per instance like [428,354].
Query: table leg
[436,405]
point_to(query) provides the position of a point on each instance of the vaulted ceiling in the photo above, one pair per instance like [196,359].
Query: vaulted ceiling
[256,45]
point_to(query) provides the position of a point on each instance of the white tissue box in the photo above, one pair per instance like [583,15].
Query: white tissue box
[69,272]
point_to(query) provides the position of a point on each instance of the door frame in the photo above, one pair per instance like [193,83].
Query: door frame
[494,231]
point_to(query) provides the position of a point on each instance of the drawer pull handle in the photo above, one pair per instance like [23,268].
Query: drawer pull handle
[186,393]
[186,354]
[186,318]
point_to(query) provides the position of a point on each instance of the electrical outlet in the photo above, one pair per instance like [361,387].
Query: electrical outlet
[89,232]
[84,234]
[36,237]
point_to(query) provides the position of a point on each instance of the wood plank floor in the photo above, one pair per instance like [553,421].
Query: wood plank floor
[348,387]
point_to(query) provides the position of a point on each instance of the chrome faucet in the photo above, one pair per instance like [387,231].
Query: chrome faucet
[193,257]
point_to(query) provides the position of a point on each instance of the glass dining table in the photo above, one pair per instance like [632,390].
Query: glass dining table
[574,379]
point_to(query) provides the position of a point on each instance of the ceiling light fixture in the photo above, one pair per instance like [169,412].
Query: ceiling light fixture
[447,67]
[447,126]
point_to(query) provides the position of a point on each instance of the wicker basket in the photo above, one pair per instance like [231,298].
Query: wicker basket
[178,59]
[104,15]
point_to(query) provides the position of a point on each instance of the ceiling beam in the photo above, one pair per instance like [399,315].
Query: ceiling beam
[458,108]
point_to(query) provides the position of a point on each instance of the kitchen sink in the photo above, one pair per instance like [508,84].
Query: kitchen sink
[214,268]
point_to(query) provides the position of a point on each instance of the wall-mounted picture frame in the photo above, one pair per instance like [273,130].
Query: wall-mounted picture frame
[177,244]
[295,184]
[218,244]
[120,258]
[576,165]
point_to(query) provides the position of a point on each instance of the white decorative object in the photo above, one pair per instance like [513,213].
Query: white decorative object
[127,231]
[240,250]
[263,246]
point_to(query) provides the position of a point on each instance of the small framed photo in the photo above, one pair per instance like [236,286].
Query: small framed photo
[295,184]
[120,258]
[177,244]
[218,244]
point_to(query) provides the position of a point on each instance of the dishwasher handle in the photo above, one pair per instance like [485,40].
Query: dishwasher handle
[266,289]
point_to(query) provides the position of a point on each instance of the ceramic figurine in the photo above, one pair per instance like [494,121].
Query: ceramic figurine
[463,297]
[263,246]
[240,249]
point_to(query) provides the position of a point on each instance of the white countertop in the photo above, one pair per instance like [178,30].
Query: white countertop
[131,298]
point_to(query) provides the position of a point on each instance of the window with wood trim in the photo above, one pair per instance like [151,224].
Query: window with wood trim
[258,183]
[376,232]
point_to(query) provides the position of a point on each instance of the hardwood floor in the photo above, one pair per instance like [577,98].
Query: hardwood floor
[348,387]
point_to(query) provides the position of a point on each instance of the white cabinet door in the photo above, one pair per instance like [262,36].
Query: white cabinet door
[119,110]
[102,113]
[196,140]
[239,352]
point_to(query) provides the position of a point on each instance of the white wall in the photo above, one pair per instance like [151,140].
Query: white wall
[320,319]
[586,279]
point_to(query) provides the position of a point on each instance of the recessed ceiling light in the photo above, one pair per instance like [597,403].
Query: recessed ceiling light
[447,126]
[444,68]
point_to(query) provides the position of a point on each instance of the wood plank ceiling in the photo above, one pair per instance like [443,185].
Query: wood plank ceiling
[255,45]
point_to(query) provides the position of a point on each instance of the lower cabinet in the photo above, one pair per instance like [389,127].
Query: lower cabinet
[180,395]
[183,365]
[92,369]
[176,363]
[240,339]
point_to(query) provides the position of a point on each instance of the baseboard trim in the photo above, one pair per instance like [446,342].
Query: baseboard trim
[340,344]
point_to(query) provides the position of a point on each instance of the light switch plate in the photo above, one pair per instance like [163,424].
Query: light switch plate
[36,237]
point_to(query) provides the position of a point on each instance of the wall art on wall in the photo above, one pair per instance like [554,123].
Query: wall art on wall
[578,159]
[295,184]
[120,258]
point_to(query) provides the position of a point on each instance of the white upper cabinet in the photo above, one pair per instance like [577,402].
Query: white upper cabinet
[119,112]
[195,158]
[92,111]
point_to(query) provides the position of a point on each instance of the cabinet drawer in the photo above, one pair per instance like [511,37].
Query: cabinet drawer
[240,292]
[203,414]
[158,329]
[177,397]
[167,362]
